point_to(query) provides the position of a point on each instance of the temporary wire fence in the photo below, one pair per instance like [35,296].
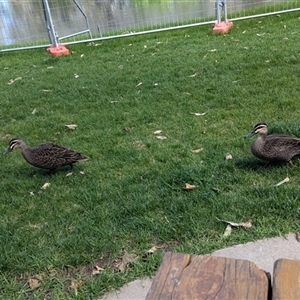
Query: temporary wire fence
[26,24]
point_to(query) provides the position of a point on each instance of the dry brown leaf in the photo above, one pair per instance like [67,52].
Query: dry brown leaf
[75,284]
[282,181]
[195,74]
[189,186]
[35,281]
[227,231]
[198,114]
[6,137]
[71,126]
[35,226]
[13,80]
[126,260]
[97,270]
[233,224]
[197,150]
[157,132]
[228,156]
[45,186]
[153,249]
[161,137]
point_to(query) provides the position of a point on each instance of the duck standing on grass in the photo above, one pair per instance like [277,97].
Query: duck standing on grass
[273,147]
[46,156]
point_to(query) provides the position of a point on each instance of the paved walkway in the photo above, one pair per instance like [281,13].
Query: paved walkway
[263,253]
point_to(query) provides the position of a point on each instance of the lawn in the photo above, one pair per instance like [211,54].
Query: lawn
[142,105]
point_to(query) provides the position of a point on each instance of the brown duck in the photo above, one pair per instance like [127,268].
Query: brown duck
[274,147]
[46,156]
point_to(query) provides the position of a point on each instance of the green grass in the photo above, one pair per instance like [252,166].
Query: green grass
[131,197]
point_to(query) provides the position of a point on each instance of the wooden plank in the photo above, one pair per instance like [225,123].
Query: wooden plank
[168,275]
[286,279]
[182,276]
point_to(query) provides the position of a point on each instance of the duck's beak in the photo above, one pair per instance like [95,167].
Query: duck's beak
[252,133]
[8,150]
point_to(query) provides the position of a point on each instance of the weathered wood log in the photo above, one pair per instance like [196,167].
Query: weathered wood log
[183,276]
[286,279]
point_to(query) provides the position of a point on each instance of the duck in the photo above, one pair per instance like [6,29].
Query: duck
[273,147]
[47,156]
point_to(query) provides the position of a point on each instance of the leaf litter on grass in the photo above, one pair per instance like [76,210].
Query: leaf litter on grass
[230,225]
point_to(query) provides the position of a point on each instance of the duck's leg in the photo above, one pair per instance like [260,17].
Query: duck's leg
[49,173]
[291,164]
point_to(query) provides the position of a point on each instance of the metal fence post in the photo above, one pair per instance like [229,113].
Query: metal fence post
[50,26]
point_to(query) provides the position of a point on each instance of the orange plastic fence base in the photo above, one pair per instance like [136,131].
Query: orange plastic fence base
[58,51]
[222,27]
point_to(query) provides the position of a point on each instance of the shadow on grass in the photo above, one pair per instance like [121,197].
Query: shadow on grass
[255,164]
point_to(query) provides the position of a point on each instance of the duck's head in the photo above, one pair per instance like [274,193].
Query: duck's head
[259,128]
[13,144]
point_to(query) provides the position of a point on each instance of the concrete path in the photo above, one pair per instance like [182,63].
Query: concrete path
[263,253]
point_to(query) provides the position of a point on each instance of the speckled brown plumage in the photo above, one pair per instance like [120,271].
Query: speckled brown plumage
[47,156]
[273,147]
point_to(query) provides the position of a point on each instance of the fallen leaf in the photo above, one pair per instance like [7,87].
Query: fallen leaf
[34,111]
[35,226]
[127,129]
[76,75]
[157,132]
[126,260]
[212,50]
[81,172]
[6,137]
[69,174]
[82,55]
[233,224]
[227,231]
[228,156]
[197,150]
[46,90]
[189,186]
[140,83]
[13,80]
[161,137]
[152,250]
[97,270]
[75,284]
[46,185]
[195,74]
[35,281]
[31,193]
[198,114]
[282,181]
[71,126]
